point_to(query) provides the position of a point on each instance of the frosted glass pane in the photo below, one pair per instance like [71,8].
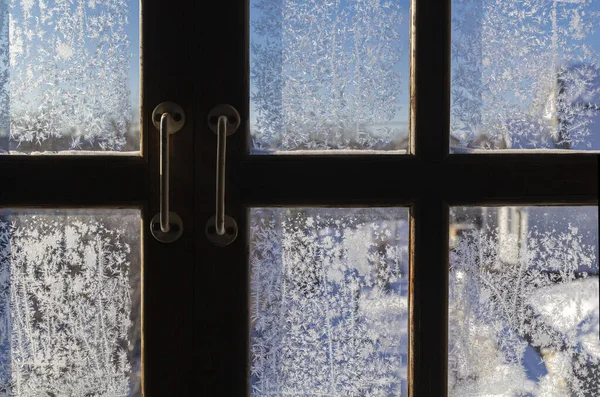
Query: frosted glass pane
[69,76]
[524,304]
[70,303]
[329,75]
[329,302]
[525,75]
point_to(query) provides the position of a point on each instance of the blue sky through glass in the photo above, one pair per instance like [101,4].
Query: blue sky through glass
[402,67]
[133,33]
[591,39]
[318,25]
[507,57]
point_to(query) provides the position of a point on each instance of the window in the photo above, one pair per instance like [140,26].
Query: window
[196,325]
[429,180]
[86,306]
[523,301]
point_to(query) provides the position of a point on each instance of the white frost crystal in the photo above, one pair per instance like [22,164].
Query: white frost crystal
[526,323]
[329,302]
[64,75]
[325,74]
[66,320]
[525,73]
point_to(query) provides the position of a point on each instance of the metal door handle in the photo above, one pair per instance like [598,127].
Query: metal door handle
[221,163]
[222,229]
[166,226]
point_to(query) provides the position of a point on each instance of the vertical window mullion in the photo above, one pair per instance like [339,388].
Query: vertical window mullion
[430,79]
[428,351]
[430,129]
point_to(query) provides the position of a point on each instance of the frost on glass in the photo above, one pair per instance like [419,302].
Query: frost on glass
[70,303]
[523,303]
[525,74]
[329,308]
[328,75]
[69,72]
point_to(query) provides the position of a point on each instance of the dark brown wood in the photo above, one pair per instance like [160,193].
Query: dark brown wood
[315,180]
[400,180]
[221,316]
[428,297]
[73,180]
[168,268]
[430,125]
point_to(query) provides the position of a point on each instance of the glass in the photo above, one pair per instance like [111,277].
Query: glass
[329,301]
[70,291]
[525,75]
[329,76]
[523,302]
[69,77]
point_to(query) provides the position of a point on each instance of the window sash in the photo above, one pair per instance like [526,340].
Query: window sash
[428,181]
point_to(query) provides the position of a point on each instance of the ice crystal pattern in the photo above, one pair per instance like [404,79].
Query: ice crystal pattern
[329,302]
[525,74]
[324,74]
[66,306]
[511,300]
[63,74]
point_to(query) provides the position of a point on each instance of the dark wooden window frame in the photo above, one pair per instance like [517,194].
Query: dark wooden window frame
[115,181]
[429,181]
[200,346]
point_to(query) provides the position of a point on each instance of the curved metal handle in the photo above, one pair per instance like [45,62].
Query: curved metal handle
[221,161]
[166,226]
[164,174]
[221,229]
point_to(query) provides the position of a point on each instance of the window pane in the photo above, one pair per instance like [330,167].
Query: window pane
[69,76]
[70,302]
[329,75]
[523,304]
[329,301]
[525,75]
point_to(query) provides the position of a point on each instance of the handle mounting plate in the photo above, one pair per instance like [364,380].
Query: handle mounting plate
[231,231]
[233,118]
[175,122]
[175,230]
